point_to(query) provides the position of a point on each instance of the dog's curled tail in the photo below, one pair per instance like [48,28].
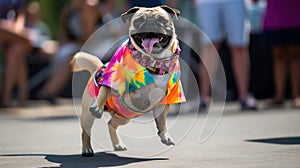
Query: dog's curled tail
[84,61]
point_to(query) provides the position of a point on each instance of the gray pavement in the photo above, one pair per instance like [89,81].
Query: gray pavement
[49,136]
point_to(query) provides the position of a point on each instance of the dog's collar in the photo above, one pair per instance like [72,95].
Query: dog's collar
[156,66]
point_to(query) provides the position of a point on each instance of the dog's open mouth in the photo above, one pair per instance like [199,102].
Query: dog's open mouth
[152,43]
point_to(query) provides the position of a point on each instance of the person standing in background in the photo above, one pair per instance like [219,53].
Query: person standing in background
[15,45]
[281,27]
[37,30]
[219,19]
[78,21]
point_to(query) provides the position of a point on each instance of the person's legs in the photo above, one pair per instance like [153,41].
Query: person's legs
[60,70]
[57,81]
[280,70]
[15,68]
[15,73]
[241,67]
[237,30]
[208,64]
[209,20]
[237,35]
[240,63]
[22,80]
[11,62]
[295,72]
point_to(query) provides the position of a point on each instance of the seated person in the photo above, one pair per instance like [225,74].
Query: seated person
[78,21]
[15,45]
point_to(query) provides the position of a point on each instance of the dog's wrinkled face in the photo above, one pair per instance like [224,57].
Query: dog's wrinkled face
[152,30]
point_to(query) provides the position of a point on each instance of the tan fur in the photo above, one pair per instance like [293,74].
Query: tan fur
[155,13]
[113,125]
[86,120]
[161,119]
[85,61]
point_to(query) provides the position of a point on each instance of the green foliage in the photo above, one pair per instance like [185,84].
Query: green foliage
[50,10]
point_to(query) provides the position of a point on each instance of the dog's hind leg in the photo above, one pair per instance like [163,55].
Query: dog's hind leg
[160,115]
[86,120]
[113,125]
[97,107]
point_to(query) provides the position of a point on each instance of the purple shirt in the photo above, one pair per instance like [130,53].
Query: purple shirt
[282,14]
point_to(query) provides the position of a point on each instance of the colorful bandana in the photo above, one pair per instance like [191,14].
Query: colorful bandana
[128,71]
[156,66]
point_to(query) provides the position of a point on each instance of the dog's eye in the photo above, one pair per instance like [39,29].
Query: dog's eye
[138,21]
[163,20]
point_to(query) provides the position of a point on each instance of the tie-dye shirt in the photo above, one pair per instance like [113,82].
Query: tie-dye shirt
[124,74]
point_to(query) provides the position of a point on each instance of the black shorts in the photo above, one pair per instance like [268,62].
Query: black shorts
[289,36]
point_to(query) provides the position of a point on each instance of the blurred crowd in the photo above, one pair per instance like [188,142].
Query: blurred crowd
[23,33]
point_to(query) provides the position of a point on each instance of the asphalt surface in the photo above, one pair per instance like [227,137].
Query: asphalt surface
[49,136]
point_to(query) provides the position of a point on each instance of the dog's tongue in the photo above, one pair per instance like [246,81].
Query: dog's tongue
[148,44]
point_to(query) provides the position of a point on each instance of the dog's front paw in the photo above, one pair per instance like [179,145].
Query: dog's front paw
[120,147]
[96,111]
[87,153]
[166,138]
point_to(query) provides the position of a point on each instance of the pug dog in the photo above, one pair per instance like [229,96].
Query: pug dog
[142,76]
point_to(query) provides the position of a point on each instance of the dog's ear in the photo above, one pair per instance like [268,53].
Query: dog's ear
[171,11]
[128,15]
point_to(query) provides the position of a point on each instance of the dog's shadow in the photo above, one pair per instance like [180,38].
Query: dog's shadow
[101,159]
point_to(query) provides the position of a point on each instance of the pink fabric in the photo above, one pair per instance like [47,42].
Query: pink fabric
[282,14]
[113,103]
[93,90]
[123,70]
